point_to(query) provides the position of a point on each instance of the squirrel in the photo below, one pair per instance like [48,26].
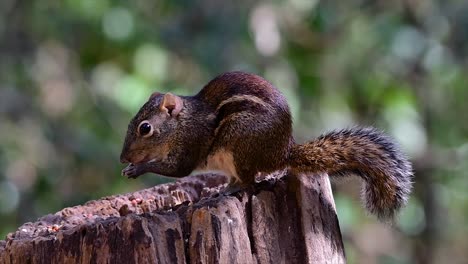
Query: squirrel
[240,124]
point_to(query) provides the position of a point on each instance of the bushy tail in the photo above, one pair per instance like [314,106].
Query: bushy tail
[366,152]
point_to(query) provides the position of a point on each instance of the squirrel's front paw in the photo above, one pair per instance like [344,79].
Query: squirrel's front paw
[131,171]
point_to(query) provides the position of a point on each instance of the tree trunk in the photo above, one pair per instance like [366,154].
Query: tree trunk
[289,220]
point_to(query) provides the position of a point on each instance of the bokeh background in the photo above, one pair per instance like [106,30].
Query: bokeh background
[73,73]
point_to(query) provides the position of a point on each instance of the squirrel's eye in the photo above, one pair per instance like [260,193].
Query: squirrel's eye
[145,129]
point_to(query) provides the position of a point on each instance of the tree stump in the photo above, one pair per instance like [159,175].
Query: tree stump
[286,220]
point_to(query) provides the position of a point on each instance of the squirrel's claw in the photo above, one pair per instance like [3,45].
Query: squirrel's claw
[130,171]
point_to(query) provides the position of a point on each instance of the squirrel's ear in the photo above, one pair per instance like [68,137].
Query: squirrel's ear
[172,103]
[153,95]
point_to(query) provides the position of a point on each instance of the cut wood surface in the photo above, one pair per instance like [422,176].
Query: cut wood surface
[289,220]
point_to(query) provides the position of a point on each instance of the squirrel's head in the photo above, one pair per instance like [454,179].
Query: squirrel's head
[149,131]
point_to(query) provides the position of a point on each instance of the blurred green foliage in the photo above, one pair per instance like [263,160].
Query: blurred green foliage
[72,74]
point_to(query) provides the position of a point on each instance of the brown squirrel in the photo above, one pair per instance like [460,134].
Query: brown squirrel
[240,124]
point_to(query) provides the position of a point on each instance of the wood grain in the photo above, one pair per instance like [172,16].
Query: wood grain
[288,220]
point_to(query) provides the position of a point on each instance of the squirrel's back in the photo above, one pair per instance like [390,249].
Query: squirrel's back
[241,86]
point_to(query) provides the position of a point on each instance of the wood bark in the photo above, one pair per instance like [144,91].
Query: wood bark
[287,220]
